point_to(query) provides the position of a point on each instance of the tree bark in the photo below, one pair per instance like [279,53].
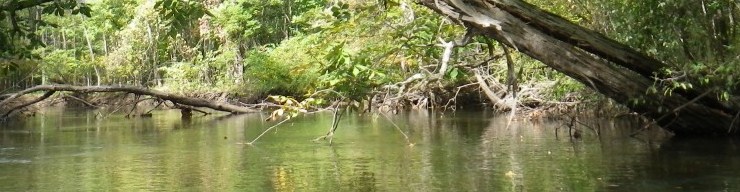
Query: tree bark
[92,57]
[46,95]
[195,102]
[611,68]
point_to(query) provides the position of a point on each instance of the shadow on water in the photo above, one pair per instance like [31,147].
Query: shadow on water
[693,164]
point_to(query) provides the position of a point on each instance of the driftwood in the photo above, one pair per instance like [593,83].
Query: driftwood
[609,67]
[177,99]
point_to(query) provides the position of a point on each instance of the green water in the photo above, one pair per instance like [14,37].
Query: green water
[68,150]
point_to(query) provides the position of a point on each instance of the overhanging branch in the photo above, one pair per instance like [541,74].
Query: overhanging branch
[194,102]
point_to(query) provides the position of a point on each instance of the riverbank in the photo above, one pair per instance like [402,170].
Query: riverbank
[138,104]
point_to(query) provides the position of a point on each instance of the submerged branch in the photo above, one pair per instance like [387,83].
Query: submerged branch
[267,130]
[408,141]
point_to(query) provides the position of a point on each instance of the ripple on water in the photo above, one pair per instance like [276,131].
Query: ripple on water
[14,161]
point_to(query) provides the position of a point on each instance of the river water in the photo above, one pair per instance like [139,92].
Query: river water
[69,150]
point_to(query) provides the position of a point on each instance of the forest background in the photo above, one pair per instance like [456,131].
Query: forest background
[393,51]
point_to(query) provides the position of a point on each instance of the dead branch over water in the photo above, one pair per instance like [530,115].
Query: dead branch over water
[174,98]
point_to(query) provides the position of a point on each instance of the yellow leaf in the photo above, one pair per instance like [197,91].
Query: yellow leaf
[510,174]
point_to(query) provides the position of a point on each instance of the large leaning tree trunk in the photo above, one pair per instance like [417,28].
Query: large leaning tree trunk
[609,67]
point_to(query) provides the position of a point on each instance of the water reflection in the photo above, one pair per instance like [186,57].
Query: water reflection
[74,151]
[696,164]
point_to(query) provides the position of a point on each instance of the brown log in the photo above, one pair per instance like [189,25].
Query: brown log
[46,95]
[195,102]
[611,68]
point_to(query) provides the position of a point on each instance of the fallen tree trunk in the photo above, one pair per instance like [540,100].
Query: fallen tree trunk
[611,68]
[194,102]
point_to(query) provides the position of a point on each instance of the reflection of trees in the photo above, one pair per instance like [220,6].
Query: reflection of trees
[462,152]
[538,161]
[83,154]
[699,164]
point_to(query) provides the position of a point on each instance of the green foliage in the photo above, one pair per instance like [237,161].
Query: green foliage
[62,66]
[698,39]
[237,20]
[290,107]
[348,74]
[180,14]
[260,22]
[18,37]
[267,75]
[296,48]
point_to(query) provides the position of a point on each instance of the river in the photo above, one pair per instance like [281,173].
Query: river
[72,150]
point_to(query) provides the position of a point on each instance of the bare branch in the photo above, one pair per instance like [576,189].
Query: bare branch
[195,102]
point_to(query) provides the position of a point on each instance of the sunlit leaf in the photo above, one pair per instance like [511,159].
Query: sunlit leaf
[453,73]
[355,71]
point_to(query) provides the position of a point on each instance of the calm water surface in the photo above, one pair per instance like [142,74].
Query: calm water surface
[67,150]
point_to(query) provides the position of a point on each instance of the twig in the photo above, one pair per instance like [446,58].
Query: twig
[498,102]
[268,129]
[81,101]
[513,110]
[334,125]
[136,103]
[677,109]
[159,102]
[398,128]
[729,129]
[454,98]
[181,106]
[511,79]
[588,126]
[646,127]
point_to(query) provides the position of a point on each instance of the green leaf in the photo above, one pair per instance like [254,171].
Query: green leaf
[85,10]
[207,12]
[334,82]
[158,4]
[59,11]
[453,73]
[167,3]
[355,71]
[361,67]
[49,10]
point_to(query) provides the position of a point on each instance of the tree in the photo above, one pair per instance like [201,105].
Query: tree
[612,68]
[17,28]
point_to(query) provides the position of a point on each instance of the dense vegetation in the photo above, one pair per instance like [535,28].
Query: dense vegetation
[389,48]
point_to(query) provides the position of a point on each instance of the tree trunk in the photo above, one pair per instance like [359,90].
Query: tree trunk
[92,57]
[611,68]
[238,68]
[177,99]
